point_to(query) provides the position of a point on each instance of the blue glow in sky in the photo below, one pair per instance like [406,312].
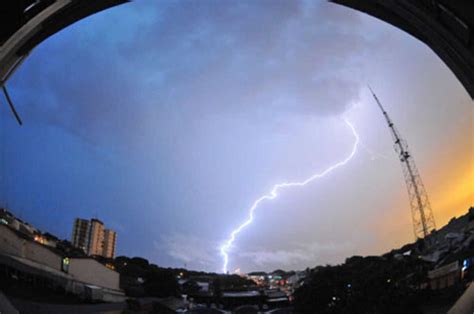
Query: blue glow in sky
[167,119]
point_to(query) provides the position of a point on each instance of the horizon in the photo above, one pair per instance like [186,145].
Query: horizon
[260,271]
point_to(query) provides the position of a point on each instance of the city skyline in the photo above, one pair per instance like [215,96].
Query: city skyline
[168,120]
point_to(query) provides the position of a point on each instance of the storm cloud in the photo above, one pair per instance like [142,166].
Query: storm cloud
[167,119]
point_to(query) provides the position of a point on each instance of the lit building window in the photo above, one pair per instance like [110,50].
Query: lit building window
[65,264]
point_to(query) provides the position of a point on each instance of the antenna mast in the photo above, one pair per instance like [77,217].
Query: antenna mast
[422,215]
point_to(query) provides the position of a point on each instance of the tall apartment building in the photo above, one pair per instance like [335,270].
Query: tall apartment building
[92,237]
[108,248]
[96,238]
[80,234]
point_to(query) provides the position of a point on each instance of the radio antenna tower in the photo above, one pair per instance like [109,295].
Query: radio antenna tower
[422,215]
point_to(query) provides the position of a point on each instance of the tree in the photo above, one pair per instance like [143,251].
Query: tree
[191,287]
[161,283]
[363,285]
[140,261]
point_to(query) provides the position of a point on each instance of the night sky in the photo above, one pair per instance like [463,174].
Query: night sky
[166,120]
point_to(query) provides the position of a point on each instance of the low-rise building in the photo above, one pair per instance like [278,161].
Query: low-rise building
[92,272]
[46,239]
[23,257]
[445,276]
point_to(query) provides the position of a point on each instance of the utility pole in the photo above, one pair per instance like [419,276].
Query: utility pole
[422,215]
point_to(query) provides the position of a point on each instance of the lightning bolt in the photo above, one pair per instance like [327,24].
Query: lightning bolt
[274,193]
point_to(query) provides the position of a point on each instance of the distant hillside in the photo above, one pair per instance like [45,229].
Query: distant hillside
[453,241]
[426,276]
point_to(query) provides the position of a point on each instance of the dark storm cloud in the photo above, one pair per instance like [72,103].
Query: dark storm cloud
[113,77]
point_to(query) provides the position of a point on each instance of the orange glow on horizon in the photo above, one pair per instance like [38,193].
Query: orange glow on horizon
[451,178]
[449,181]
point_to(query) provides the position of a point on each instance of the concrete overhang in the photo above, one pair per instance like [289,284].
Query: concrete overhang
[24,27]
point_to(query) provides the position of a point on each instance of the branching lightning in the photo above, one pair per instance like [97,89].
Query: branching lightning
[274,193]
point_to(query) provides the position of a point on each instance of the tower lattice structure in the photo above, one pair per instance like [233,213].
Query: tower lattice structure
[422,215]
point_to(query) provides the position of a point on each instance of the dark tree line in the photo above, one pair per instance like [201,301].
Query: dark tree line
[140,278]
[364,285]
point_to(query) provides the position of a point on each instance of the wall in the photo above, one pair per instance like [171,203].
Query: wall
[85,270]
[9,242]
[465,304]
[6,307]
[12,244]
[90,271]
